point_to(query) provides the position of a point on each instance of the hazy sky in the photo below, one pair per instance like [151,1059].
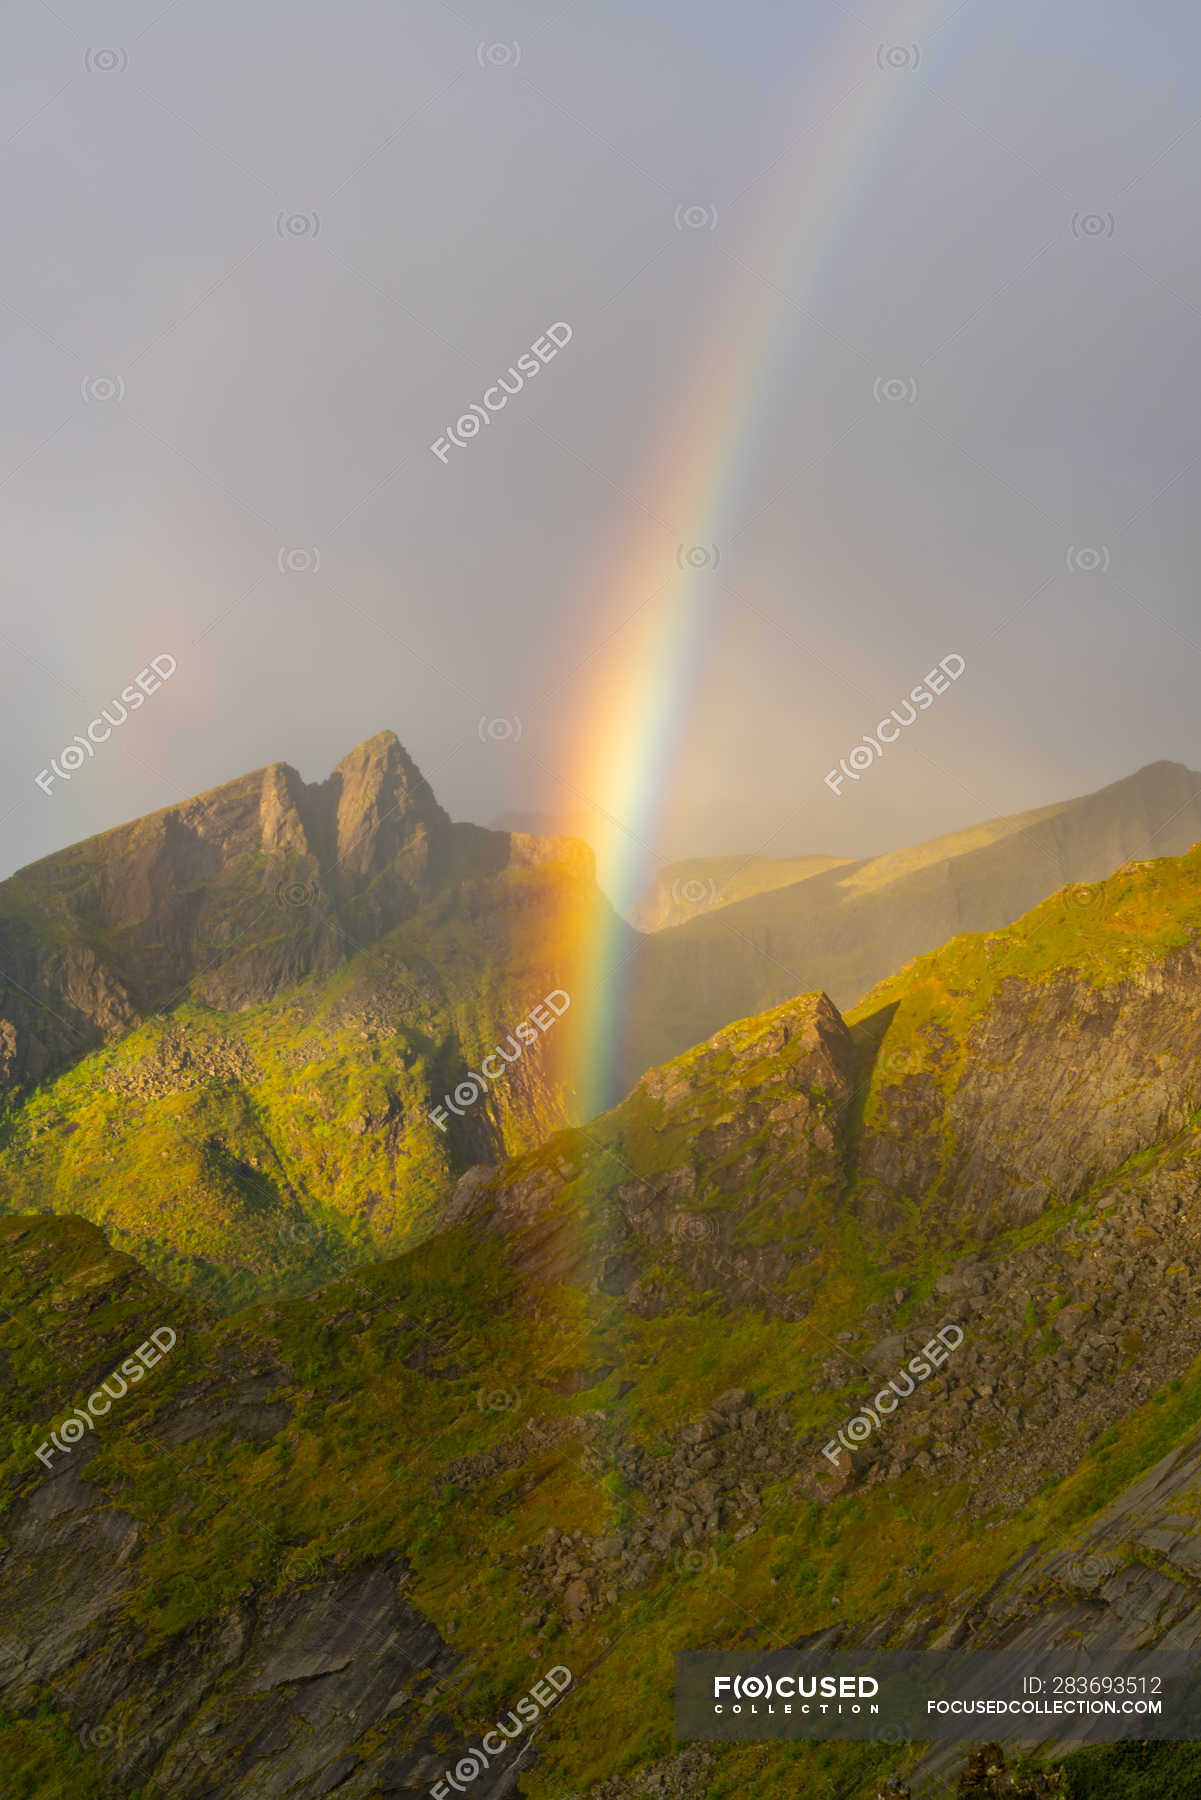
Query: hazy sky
[884,329]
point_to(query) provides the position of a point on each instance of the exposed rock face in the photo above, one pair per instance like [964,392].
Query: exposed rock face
[1130,1585]
[794,1071]
[527,852]
[299,1677]
[1061,1081]
[1116,1069]
[182,1061]
[236,894]
[681,1777]
[609,1381]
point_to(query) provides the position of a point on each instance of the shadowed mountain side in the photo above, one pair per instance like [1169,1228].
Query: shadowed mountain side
[846,929]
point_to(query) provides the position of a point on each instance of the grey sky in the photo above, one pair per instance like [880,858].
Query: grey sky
[258,258]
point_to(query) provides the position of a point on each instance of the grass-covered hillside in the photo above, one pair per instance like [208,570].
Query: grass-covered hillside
[224,1028]
[581,1425]
[244,1152]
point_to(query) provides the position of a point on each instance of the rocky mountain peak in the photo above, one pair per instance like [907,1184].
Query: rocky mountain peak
[384,807]
[236,894]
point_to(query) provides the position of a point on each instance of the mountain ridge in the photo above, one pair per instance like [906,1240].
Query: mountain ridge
[824,932]
[624,1355]
[229,1031]
[242,889]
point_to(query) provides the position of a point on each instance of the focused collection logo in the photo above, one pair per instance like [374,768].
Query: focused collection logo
[83,745]
[495,1743]
[918,1368]
[70,1431]
[826,1690]
[468,1092]
[495,398]
[889,730]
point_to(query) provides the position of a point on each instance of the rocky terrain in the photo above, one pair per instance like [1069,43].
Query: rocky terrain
[225,1029]
[331,1541]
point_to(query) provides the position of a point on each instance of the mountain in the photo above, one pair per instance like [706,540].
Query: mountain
[702,883]
[845,929]
[235,895]
[231,1033]
[586,1422]
[225,1028]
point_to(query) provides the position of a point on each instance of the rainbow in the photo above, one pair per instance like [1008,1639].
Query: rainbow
[698,474]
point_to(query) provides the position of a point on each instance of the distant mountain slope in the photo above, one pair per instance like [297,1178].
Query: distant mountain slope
[846,929]
[702,883]
[586,1423]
